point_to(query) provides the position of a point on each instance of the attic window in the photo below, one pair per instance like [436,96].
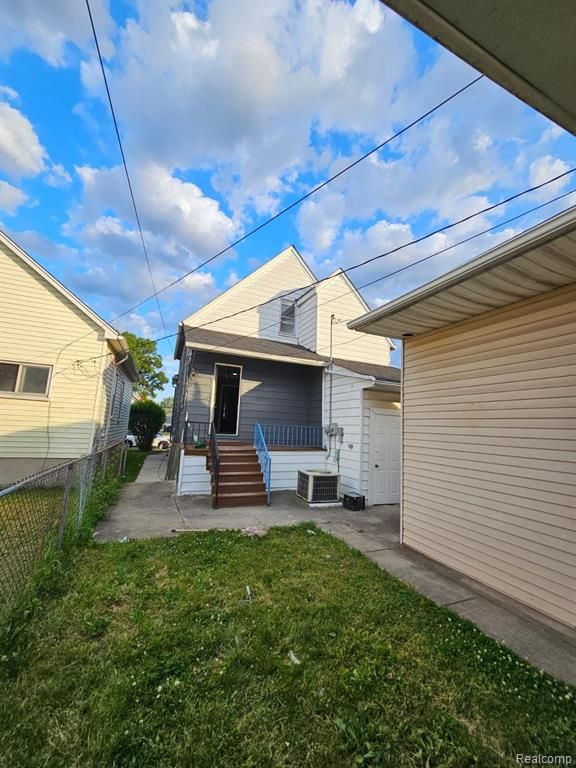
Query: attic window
[288,317]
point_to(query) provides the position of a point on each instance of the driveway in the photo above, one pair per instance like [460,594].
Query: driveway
[149,508]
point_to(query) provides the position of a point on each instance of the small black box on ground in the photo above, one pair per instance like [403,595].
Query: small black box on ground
[354,501]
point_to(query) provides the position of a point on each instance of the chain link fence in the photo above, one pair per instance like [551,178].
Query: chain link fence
[46,511]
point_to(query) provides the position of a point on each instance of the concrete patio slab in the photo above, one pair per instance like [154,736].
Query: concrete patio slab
[148,508]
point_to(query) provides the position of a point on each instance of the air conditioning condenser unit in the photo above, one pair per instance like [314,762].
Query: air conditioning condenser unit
[318,487]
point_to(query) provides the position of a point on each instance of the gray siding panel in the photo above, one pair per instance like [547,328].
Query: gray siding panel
[271,393]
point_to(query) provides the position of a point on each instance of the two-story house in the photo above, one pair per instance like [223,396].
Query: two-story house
[273,380]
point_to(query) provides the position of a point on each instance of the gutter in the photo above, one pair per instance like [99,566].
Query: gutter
[535,237]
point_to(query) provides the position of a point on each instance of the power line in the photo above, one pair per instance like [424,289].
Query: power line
[136,214]
[396,271]
[398,248]
[276,216]
[382,277]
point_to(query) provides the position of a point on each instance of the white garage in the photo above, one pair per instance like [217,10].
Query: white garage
[489,416]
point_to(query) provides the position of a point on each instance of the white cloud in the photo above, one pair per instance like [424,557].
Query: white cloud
[167,205]
[547,167]
[232,279]
[9,93]
[58,176]
[11,198]
[21,153]
[47,26]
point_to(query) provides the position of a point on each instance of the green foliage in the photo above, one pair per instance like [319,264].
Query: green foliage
[146,419]
[167,403]
[157,657]
[149,365]
[134,461]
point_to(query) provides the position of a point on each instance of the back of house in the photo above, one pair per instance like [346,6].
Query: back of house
[272,357]
[66,376]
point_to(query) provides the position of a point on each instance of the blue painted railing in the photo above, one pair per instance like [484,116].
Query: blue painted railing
[292,436]
[264,458]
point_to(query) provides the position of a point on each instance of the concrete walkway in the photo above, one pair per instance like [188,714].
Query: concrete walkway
[149,508]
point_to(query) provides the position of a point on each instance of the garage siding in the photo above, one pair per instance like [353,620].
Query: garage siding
[489,450]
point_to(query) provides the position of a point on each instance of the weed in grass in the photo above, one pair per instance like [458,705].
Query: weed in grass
[153,657]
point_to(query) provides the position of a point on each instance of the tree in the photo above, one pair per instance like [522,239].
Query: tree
[167,403]
[146,419]
[149,365]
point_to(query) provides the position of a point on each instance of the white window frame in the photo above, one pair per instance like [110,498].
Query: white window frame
[27,395]
[287,303]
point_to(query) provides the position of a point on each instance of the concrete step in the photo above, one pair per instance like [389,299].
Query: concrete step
[242,500]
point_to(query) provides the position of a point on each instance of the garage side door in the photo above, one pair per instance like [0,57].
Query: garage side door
[489,456]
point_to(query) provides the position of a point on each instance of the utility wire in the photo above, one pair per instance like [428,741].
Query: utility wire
[117,130]
[276,216]
[398,248]
[378,279]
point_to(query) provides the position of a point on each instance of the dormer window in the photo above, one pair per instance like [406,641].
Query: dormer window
[288,317]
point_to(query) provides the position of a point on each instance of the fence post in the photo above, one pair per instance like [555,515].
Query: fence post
[64,513]
[104,462]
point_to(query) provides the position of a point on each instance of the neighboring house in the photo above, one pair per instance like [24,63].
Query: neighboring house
[320,393]
[65,375]
[489,407]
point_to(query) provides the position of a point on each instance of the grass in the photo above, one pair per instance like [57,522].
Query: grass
[134,461]
[155,654]
[30,559]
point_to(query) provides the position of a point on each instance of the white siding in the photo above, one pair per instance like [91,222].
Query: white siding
[347,413]
[335,296]
[278,276]
[40,325]
[193,477]
[285,466]
[372,399]
[489,450]
[306,320]
[115,404]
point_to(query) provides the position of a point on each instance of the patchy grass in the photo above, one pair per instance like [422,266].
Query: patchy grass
[134,461]
[155,654]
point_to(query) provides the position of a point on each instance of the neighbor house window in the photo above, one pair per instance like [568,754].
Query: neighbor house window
[288,317]
[23,379]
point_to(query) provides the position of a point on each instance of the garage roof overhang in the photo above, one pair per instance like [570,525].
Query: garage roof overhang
[539,260]
[528,47]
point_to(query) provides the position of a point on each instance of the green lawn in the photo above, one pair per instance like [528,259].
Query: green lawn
[134,461]
[155,654]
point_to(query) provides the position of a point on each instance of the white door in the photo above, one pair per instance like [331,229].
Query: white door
[384,456]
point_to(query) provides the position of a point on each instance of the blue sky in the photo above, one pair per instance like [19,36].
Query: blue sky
[229,111]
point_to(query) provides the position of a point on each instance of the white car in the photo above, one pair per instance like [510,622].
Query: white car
[161,441]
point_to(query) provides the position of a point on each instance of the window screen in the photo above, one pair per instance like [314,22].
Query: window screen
[24,379]
[288,317]
[34,379]
[8,377]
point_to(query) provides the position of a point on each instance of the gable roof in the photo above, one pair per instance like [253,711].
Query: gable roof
[291,250]
[539,260]
[385,373]
[116,341]
[251,346]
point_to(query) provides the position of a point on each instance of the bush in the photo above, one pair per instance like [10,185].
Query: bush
[146,419]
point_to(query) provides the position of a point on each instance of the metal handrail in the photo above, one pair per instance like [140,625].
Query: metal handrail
[264,458]
[215,456]
[196,431]
[292,435]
